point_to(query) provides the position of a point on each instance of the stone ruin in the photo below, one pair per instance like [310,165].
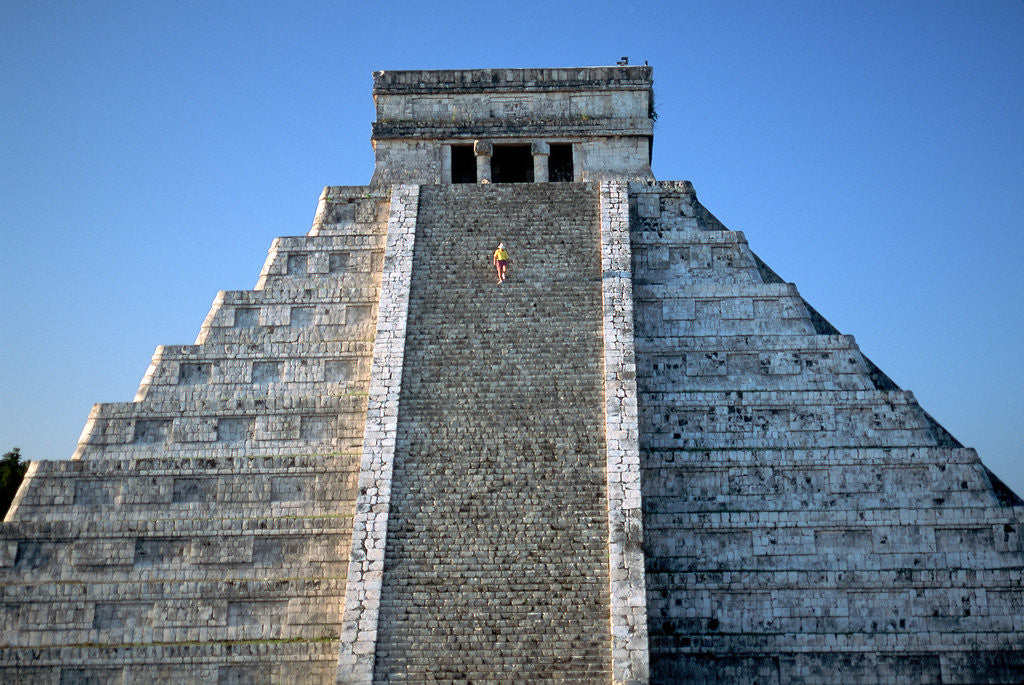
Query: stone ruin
[643,458]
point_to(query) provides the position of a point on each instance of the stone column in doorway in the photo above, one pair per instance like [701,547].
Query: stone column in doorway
[446,164]
[540,150]
[483,150]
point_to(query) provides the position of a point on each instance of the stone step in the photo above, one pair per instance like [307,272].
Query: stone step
[891,653]
[674,269]
[217,351]
[211,380]
[896,531]
[361,328]
[682,397]
[750,363]
[86,490]
[227,406]
[225,428]
[498,495]
[266,316]
[658,345]
[196,547]
[741,580]
[787,419]
[235,661]
[767,480]
[318,290]
[659,240]
[155,611]
[162,592]
[955,459]
[202,521]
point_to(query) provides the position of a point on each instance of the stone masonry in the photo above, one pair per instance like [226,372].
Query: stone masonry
[366,564]
[642,458]
[497,531]
[603,112]
[201,532]
[625,515]
[805,520]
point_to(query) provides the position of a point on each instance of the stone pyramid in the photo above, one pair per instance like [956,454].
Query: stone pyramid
[641,458]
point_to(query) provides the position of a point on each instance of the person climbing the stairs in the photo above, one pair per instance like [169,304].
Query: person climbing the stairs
[501,261]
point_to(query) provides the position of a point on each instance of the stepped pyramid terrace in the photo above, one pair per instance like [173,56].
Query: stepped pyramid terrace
[643,457]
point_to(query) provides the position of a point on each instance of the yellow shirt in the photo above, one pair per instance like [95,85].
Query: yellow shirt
[501,255]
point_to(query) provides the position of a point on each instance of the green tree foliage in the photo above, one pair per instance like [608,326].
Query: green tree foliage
[12,470]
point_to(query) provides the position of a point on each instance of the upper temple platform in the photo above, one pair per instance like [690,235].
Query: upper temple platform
[513,125]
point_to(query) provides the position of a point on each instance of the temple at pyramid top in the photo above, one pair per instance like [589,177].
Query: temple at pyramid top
[513,125]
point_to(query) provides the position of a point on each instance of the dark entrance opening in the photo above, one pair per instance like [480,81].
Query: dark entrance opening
[463,164]
[512,164]
[560,163]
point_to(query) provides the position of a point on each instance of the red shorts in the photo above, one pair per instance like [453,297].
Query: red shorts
[502,262]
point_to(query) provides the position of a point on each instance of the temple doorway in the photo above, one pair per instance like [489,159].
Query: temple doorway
[463,164]
[512,164]
[560,163]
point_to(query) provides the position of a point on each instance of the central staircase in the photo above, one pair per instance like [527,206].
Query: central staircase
[496,563]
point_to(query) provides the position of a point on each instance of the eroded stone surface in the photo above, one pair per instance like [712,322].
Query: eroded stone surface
[496,563]
[630,661]
[370,527]
[804,519]
[203,531]
[643,457]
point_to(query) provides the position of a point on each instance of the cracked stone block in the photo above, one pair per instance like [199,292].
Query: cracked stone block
[193,374]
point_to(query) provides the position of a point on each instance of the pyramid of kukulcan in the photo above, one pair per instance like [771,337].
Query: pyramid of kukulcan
[642,458]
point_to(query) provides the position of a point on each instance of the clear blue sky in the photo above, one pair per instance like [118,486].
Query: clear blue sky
[873,152]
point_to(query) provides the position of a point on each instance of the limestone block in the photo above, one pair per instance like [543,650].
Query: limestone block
[223,550]
[246,317]
[150,490]
[292,488]
[271,551]
[176,613]
[297,264]
[276,427]
[189,489]
[122,616]
[193,373]
[319,428]
[338,262]
[299,317]
[151,552]
[963,540]
[152,431]
[194,429]
[96,492]
[234,430]
[265,372]
[648,205]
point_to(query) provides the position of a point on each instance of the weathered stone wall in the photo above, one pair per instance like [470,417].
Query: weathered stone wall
[610,99]
[201,568]
[351,210]
[203,532]
[805,520]
[283,367]
[605,111]
[370,528]
[625,513]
